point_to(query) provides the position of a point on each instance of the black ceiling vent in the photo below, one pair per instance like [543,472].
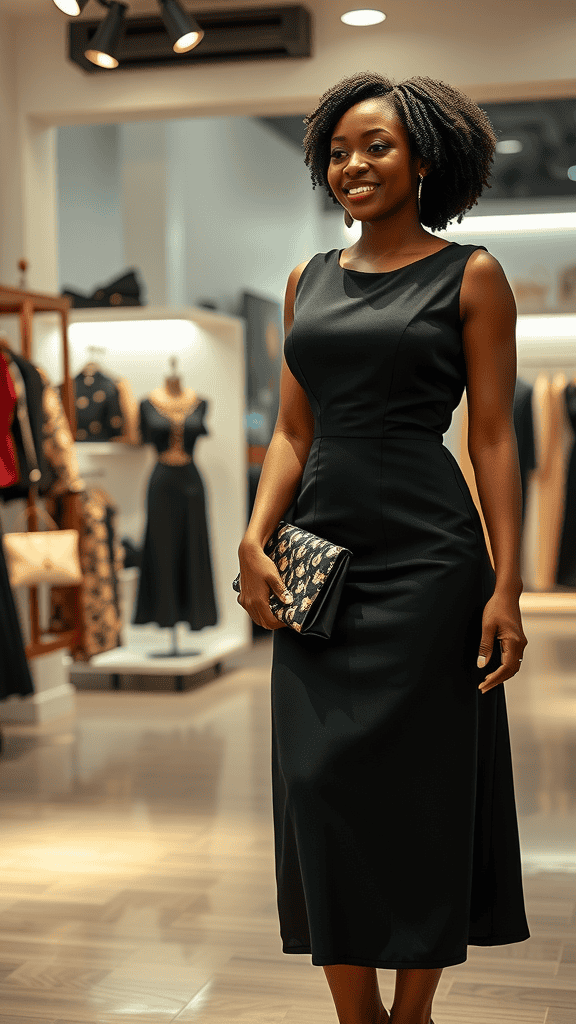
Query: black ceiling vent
[262,33]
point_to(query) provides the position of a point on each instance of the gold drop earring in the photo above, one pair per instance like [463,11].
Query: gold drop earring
[419,192]
[348,220]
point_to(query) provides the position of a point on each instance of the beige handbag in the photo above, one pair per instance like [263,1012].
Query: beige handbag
[47,556]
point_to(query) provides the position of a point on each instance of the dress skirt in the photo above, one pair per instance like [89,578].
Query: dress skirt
[396,838]
[176,579]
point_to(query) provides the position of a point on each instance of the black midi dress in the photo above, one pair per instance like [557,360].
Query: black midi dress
[396,836]
[176,582]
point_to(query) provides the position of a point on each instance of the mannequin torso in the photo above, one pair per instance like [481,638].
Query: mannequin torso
[176,408]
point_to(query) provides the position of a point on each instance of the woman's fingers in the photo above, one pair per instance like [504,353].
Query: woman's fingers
[267,621]
[511,651]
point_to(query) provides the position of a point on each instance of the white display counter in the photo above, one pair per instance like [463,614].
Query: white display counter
[136,343]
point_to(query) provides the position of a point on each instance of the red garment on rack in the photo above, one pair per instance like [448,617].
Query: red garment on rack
[8,473]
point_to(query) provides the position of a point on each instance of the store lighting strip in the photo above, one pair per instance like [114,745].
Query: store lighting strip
[537,326]
[515,223]
[530,326]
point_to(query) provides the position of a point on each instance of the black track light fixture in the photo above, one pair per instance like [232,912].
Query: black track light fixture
[107,36]
[71,7]
[185,33]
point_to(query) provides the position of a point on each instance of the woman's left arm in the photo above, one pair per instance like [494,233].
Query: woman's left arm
[488,314]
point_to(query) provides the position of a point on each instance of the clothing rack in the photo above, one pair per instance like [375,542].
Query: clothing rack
[24,304]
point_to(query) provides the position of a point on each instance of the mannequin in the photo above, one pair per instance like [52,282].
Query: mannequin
[176,403]
[176,580]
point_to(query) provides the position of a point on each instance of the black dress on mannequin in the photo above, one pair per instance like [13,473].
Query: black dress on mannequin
[176,580]
[396,834]
[524,428]
[566,567]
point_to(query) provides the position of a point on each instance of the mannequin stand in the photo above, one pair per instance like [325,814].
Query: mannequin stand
[175,652]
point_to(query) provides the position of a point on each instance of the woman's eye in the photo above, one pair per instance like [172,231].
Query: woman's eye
[379,145]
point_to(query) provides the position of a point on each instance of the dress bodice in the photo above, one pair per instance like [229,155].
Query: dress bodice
[173,437]
[380,354]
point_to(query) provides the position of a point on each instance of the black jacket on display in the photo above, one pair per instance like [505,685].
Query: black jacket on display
[98,410]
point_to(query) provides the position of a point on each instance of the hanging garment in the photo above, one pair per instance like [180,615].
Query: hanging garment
[524,428]
[101,557]
[176,579]
[566,565]
[15,675]
[29,387]
[8,471]
[58,443]
[396,835]
[106,409]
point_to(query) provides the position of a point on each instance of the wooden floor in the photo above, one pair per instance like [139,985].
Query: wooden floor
[137,873]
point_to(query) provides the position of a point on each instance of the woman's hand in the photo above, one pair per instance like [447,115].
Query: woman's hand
[258,576]
[501,620]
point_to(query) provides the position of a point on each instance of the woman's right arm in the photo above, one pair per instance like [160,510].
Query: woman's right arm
[279,479]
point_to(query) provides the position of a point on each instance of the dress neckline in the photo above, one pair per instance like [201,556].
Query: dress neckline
[180,414]
[380,273]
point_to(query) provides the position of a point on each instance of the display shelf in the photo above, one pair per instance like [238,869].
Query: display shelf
[104,447]
[548,603]
[211,320]
[136,656]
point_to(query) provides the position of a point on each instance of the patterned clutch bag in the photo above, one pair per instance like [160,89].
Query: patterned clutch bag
[314,571]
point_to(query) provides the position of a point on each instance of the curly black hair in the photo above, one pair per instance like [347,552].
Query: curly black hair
[444,126]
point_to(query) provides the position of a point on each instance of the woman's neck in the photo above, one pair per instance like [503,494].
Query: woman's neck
[173,386]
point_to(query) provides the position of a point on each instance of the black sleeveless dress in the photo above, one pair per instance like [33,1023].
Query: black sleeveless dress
[396,837]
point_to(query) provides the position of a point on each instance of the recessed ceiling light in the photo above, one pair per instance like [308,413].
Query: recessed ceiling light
[363,17]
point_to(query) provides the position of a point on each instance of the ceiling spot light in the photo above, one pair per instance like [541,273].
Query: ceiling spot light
[107,35]
[184,32]
[509,146]
[71,7]
[363,17]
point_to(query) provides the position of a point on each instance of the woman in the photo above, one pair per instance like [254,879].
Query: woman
[396,835]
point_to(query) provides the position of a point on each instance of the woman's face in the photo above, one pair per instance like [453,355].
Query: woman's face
[370,144]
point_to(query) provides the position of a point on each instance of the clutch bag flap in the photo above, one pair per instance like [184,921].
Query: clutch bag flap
[313,570]
[44,556]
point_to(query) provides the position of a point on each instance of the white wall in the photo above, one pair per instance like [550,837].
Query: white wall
[249,213]
[202,207]
[11,212]
[90,230]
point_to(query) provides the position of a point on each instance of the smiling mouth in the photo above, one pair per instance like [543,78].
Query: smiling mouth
[361,195]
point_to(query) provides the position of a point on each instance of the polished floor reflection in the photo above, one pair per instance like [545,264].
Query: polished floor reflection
[137,871]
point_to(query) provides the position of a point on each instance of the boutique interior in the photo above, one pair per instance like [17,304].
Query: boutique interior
[151,213]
